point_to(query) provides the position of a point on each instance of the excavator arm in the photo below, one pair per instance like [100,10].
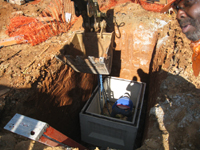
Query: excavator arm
[93,18]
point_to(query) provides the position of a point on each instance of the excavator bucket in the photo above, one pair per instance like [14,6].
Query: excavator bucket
[89,52]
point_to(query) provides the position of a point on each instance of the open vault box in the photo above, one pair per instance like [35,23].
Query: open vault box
[89,52]
[106,131]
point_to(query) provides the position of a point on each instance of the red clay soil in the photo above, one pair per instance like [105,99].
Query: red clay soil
[61,98]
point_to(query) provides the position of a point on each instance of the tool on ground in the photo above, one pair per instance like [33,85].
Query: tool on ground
[11,41]
[40,131]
